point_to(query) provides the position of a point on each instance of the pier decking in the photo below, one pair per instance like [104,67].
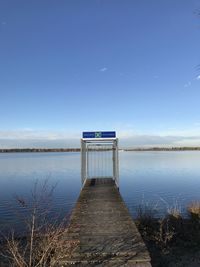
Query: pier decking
[104,229]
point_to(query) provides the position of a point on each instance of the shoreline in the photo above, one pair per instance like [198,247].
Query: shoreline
[36,150]
[172,240]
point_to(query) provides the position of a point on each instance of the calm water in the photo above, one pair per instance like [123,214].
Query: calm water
[158,179]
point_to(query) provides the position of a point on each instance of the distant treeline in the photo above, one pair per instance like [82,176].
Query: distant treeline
[13,150]
[186,148]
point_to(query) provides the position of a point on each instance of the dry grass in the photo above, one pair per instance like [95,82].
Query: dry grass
[174,211]
[158,230]
[145,212]
[194,208]
[172,238]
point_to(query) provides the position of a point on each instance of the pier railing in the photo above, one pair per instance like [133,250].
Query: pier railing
[99,159]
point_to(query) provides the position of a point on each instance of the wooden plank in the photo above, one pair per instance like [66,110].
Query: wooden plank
[104,229]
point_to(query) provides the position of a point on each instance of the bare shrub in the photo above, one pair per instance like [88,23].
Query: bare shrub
[165,233]
[161,231]
[43,242]
[146,222]
[146,212]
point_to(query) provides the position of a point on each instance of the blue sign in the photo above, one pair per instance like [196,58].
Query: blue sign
[99,134]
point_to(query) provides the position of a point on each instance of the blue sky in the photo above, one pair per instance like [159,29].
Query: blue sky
[67,66]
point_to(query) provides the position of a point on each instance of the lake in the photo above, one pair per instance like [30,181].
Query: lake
[158,179]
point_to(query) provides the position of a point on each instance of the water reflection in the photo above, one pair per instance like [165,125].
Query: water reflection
[157,178]
[160,178]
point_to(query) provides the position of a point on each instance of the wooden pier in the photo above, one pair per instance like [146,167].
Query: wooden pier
[104,230]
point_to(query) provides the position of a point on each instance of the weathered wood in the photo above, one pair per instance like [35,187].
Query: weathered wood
[104,229]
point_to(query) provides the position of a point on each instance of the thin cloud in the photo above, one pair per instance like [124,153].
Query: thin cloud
[26,134]
[123,75]
[198,77]
[188,84]
[103,69]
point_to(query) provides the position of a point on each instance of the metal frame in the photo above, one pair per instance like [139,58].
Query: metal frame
[85,143]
